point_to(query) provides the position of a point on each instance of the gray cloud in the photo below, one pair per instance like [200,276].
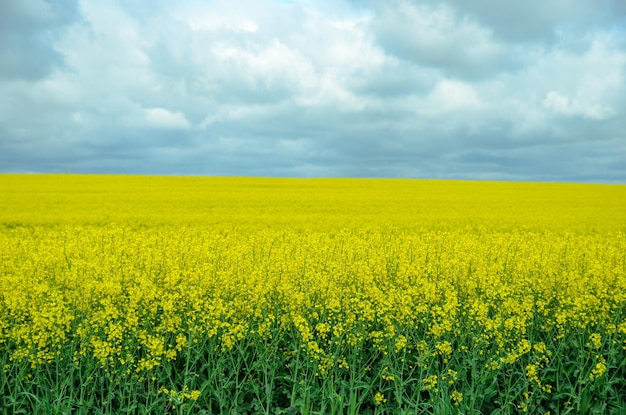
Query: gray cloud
[398,89]
[28,31]
[536,20]
[437,35]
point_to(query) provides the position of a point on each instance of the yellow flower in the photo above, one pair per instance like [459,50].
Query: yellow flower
[430,382]
[596,340]
[531,374]
[456,397]
[598,370]
[400,343]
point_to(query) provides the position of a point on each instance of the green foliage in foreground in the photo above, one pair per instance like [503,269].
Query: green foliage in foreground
[278,377]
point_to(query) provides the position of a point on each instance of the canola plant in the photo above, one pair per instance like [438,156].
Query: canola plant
[240,295]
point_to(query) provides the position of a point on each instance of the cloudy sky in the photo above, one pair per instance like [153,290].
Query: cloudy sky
[482,89]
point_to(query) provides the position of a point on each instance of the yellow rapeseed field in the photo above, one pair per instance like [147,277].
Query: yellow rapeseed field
[253,295]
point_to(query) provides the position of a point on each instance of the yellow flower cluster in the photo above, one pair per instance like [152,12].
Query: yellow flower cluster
[178,397]
[379,398]
[133,280]
[107,286]
[456,397]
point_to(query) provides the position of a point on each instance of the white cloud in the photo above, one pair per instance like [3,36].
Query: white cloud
[453,95]
[563,105]
[588,83]
[162,118]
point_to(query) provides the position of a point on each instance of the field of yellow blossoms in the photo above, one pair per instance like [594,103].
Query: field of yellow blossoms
[186,295]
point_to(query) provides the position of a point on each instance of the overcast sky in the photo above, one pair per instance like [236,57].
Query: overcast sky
[482,89]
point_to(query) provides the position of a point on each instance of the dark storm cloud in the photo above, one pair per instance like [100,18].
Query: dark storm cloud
[446,89]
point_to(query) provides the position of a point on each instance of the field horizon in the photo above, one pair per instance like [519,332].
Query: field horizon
[441,202]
